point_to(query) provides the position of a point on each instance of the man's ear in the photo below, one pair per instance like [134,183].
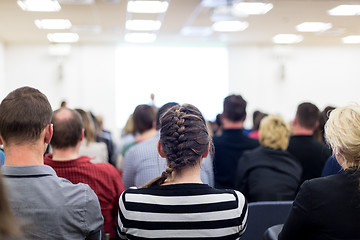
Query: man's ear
[206,153]
[48,133]
[160,150]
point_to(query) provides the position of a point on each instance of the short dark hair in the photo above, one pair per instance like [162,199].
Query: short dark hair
[24,113]
[143,117]
[235,108]
[68,127]
[162,111]
[307,115]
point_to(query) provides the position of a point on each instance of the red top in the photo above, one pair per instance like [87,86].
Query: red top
[103,179]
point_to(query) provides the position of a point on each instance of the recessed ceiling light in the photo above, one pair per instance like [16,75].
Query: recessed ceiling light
[39,5]
[287,38]
[229,26]
[345,10]
[63,37]
[143,25]
[252,8]
[140,37]
[313,27]
[147,6]
[352,39]
[53,23]
[196,31]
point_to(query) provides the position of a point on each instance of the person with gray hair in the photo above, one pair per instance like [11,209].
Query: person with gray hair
[329,207]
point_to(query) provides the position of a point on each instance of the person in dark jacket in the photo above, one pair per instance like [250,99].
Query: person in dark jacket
[269,172]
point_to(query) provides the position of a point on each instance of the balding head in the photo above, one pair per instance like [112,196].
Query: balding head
[68,127]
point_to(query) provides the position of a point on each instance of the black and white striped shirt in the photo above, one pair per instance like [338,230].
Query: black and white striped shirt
[181,211]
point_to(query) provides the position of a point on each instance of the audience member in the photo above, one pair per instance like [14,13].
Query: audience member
[177,204]
[328,208]
[143,162]
[144,124]
[269,172]
[231,144]
[105,137]
[2,157]
[103,178]
[52,206]
[310,153]
[324,116]
[128,134]
[97,151]
[331,167]
[257,117]
[9,226]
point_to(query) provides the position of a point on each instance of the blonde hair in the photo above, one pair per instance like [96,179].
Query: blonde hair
[274,132]
[342,132]
[89,126]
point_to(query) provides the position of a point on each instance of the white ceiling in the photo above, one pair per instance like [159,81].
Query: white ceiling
[108,17]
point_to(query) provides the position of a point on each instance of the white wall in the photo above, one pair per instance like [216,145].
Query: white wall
[85,79]
[324,75]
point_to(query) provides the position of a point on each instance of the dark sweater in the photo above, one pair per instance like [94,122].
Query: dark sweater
[310,153]
[229,147]
[266,174]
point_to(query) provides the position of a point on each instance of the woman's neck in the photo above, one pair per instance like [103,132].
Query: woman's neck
[186,175]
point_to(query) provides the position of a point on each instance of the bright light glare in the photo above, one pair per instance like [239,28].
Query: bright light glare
[313,27]
[63,37]
[352,39]
[345,10]
[252,8]
[53,23]
[39,5]
[229,26]
[287,38]
[174,74]
[147,6]
[140,37]
[143,25]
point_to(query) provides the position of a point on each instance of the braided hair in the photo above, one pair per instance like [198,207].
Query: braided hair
[183,137]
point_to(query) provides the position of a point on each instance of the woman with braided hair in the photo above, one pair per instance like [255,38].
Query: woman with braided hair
[177,204]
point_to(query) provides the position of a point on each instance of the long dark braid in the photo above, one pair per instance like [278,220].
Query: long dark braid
[184,138]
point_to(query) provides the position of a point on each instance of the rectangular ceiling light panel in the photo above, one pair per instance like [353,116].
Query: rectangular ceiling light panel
[229,26]
[147,6]
[39,5]
[352,39]
[345,10]
[63,37]
[251,8]
[287,38]
[143,25]
[313,27]
[53,23]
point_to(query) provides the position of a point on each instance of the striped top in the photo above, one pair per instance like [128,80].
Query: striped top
[181,211]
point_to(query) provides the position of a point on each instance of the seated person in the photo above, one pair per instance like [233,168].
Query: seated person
[269,172]
[328,207]
[177,204]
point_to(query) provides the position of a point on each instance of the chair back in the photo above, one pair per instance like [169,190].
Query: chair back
[263,215]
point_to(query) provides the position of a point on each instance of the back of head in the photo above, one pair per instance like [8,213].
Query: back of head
[24,113]
[162,111]
[68,127]
[342,132]
[143,117]
[183,136]
[308,115]
[235,108]
[89,125]
[274,132]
